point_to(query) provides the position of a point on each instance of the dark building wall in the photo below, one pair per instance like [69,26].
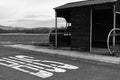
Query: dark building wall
[118,5]
[80,30]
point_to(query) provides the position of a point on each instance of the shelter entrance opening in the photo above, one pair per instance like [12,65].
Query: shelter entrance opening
[102,22]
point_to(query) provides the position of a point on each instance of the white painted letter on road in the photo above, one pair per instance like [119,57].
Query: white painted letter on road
[39,68]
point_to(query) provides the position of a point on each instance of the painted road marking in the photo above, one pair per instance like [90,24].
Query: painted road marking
[40,68]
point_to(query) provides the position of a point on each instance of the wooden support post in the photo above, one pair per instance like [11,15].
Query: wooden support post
[91,29]
[56,44]
[114,23]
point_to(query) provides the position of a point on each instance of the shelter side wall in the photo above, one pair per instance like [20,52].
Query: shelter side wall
[80,30]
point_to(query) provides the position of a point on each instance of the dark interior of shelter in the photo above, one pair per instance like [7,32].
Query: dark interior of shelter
[102,24]
[118,26]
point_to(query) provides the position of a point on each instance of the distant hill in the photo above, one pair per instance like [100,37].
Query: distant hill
[38,30]
[10,28]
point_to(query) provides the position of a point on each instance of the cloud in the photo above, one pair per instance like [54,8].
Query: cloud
[38,17]
[29,13]
[32,16]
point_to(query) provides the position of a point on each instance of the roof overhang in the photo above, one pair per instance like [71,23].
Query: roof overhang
[84,3]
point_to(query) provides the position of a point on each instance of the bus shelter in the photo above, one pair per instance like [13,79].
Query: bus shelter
[90,21]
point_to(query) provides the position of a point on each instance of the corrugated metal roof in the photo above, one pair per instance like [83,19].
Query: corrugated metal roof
[84,3]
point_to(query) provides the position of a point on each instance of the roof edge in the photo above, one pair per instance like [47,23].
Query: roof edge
[84,3]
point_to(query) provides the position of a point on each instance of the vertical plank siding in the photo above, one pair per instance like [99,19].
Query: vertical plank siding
[80,30]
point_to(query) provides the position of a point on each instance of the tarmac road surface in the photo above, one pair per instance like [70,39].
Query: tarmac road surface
[24,65]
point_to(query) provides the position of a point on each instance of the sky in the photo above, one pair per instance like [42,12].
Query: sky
[30,13]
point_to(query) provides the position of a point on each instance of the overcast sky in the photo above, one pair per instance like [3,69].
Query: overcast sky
[29,13]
